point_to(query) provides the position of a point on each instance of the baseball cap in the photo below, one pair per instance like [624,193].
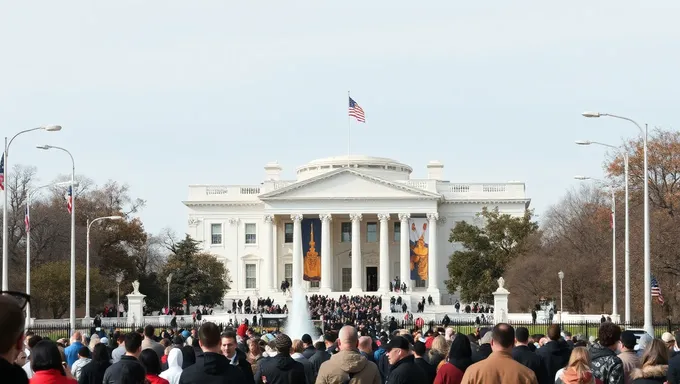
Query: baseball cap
[398,342]
[667,337]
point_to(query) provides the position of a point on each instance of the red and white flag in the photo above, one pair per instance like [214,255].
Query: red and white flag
[69,200]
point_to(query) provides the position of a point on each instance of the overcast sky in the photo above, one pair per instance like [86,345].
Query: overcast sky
[163,94]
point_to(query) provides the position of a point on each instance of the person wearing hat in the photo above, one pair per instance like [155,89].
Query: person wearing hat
[348,364]
[669,339]
[308,345]
[403,368]
[282,368]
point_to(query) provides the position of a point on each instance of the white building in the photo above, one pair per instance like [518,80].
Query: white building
[362,203]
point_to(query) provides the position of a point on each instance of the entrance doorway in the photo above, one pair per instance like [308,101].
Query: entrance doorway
[371,279]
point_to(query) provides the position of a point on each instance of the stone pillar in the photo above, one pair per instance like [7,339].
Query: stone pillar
[432,287]
[500,303]
[235,268]
[384,270]
[405,252]
[266,275]
[135,313]
[297,251]
[326,264]
[356,253]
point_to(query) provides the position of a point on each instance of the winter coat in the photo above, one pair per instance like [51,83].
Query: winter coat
[309,368]
[318,358]
[673,373]
[212,368]
[51,376]
[405,371]
[555,356]
[651,374]
[280,369]
[449,374]
[12,373]
[523,355]
[93,373]
[128,365]
[348,367]
[605,364]
[499,367]
[155,379]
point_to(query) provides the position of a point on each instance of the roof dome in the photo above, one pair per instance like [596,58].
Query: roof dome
[377,166]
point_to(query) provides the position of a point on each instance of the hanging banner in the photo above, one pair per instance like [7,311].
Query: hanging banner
[418,237]
[311,249]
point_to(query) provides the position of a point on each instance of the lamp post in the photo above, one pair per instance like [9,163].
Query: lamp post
[87,262]
[72,317]
[613,220]
[627,240]
[27,222]
[119,279]
[4,170]
[560,274]
[649,328]
[168,279]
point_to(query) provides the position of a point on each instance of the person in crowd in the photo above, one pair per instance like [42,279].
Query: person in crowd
[403,369]
[128,366]
[11,339]
[93,372]
[577,370]
[84,358]
[213,367]
[150,343]
[348,365]
[654,364]
[555,353]
[35,339]
[438,351]
[458,360]
[152,364]
[296,353]
[71,351]
[525,356]
[606,366]
[188,356]
[420,353]
[500,367]
[48,365]
[319,357]
[281,368]
[119,351]
[254,354]
[235,356]
[628,356]
[645,340]
[308,344]
[366,347]
[174,371]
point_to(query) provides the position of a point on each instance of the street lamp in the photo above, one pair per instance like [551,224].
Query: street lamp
[168,279]
[649,328]
[119,279]
[627,246]
[560,274]
[72,316]
[4,170]
[27,222]
[87,261]
[613,220]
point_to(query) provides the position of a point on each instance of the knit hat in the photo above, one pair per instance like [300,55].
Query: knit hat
[283,343]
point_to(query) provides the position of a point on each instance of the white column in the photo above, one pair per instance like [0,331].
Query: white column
[236,266]
[432,256]
[356,253]
[326,282]
[404,252]
[384,270]
[297,251]
[265,275]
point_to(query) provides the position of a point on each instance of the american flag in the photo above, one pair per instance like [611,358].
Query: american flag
[2,172]
[69,199]
[27,220]
[356,111]
[656,291]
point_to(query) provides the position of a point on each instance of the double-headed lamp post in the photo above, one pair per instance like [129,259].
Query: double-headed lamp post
[27,222]
[72,317]
[168,279]
[119,279]
[623,153]
[613,219]
[87,262]
[648,326]
[560,274]
[4,169]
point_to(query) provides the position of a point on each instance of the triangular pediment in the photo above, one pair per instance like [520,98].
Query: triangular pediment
[347,184]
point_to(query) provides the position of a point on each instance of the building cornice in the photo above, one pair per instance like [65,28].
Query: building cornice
[223,203]
[526,202]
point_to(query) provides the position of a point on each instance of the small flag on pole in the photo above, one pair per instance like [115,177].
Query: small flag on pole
[69,200]
[611,220]
[2,172]
[356,111]
[27,220]
[656,291]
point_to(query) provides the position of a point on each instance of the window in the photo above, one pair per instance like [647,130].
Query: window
[251,233]
[397,231]
[288,233]
[251,276]
[346,232]
[421,283]
[288,273]
[346,279]
[215,233]
[371,232]
[314,284]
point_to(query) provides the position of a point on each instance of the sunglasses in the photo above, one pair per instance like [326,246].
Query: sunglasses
[21,298]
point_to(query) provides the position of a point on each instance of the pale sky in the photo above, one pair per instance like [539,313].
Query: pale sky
[163,94]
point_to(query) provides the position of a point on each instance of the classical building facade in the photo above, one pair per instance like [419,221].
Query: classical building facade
[363,219]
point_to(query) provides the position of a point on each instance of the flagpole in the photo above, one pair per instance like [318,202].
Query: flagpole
[349,132]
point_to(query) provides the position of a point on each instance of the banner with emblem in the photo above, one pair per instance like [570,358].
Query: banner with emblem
[418,238]
[311,249]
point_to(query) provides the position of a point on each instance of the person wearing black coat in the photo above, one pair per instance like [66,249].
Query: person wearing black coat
[213,367]
[93,372]
[522,354]
[281,369]
[556,352]
[403,368]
